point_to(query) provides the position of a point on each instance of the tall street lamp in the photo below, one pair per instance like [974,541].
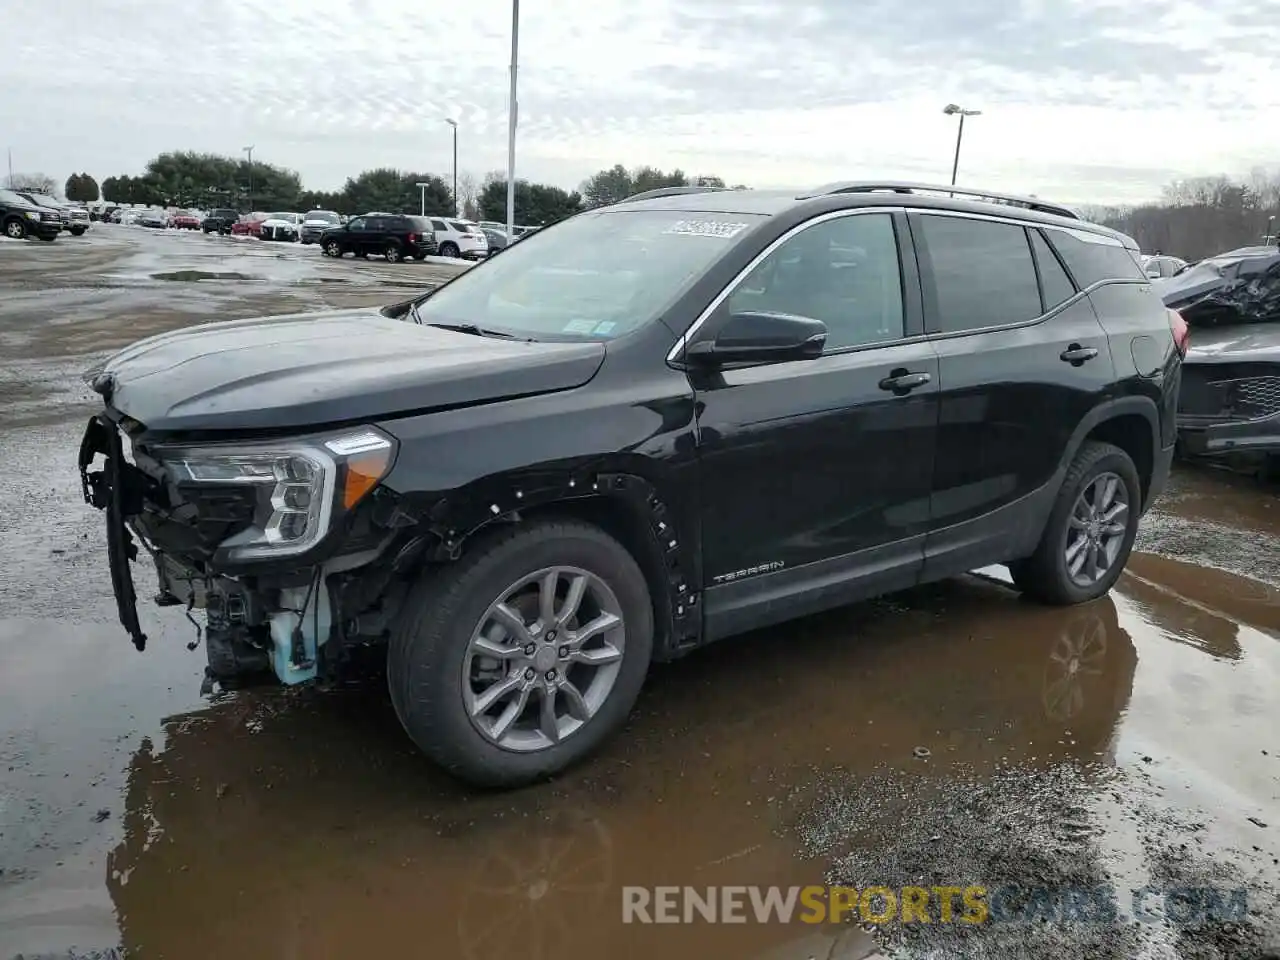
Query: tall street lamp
[952,109]
[423,187]
[457,211]
[511,121]
[249,152]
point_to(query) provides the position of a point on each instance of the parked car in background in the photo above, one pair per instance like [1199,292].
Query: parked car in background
[80,219]
[1229,403]
[21,218]
[460,238]
[282,226]
[62,211]
[664,423]
[1161,266]
[396,236]
[184,220]
[316,222]
[220,221]
[154,219]
[497,239]
[250,225]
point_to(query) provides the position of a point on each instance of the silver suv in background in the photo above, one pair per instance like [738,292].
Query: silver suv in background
[316,222]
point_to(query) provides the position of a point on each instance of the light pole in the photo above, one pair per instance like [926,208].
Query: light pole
[512,110]
[249,151]
[1271,233]
[457,207]
[951,109]
[423,187]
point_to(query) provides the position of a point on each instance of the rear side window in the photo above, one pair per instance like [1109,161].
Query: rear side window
[1054,282]
[983,275]
[438,225]
[1093,261]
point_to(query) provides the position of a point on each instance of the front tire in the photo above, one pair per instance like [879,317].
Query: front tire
[15,229]
[78,231]
[523,657]
[1090,531]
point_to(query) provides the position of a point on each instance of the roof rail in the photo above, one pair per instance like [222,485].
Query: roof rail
[894,186]
[669,192]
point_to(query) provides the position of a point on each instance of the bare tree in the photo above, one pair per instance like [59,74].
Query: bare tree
[35,182]
[468,194]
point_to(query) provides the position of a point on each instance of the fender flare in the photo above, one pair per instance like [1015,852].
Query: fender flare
[671,566]
[1111,409]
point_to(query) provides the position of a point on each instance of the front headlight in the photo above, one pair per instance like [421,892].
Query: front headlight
[31,215]
[298,486]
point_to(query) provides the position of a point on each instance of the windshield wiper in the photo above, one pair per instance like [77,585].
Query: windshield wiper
[477,331]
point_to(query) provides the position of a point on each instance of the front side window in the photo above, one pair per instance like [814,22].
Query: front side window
[357,224]
[983,275]
[596,276]
[844,272]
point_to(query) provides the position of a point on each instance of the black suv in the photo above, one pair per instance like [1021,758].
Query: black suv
[220,221]
[643,429]
[21,218]
[395,236]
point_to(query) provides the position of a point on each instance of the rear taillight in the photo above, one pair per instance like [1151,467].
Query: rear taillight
[1181,332]
[413,238]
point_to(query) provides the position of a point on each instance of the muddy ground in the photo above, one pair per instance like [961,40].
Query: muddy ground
[953,735]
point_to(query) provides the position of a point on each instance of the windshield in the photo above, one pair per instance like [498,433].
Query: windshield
[281,216]
[597,276]
[328,216]
[42,200]
[8,196]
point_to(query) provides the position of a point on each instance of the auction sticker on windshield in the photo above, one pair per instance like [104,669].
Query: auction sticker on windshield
[706,228]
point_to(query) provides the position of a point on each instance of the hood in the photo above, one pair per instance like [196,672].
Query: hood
[308,370]
[1248,343]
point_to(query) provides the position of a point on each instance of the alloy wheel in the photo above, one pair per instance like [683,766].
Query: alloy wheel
[1096,529]
[543,659]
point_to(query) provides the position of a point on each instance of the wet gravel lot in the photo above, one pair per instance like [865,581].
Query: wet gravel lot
[951,736]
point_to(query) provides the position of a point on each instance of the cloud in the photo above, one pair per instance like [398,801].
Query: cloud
[1088,100]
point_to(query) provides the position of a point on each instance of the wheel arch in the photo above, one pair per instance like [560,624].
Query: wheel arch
[1130,423]
[632,505]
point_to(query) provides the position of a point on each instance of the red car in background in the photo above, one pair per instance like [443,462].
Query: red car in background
[184,220]
[250,225]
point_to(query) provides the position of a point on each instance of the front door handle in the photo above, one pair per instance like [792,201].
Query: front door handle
[1076,354]
[902,382]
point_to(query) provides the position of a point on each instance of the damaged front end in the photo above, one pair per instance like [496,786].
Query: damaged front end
[263,536]
[1229,399]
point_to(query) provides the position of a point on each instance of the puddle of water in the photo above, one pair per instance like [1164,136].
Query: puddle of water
[291,823]
[193,276]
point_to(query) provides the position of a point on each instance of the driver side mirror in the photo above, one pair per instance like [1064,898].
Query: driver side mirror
[761,337]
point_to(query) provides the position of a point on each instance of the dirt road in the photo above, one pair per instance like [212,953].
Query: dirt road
[951,736]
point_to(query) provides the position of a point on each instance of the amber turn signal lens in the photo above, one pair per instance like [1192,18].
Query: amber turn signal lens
[362,475]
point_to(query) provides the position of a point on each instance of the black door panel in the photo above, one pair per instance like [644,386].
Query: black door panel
[818,458]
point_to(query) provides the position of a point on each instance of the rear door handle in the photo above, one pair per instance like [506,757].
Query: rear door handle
[1076,354]
[902,382]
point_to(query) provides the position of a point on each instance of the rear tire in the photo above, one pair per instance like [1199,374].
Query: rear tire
[392,253]
[432,653]
[449,249]
[333,249]
[1082,508]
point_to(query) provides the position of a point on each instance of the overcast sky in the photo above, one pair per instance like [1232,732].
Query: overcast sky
[1082,100]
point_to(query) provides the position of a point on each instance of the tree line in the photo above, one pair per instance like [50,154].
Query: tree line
[190,179]
[1202,216]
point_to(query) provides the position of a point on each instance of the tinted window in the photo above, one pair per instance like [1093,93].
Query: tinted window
[438,225]
[1054,282]
[982,273]
[418,224]
[843,272]
[1091,261]
[358,223]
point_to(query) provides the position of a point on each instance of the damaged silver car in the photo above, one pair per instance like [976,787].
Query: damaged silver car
[1229,403]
